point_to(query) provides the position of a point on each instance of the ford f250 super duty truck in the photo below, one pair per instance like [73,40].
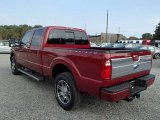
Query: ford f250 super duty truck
[65,56]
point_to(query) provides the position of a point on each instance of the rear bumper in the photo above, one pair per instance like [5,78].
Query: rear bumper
[127,89]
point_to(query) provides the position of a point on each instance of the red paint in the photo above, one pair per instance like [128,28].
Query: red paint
[86,64]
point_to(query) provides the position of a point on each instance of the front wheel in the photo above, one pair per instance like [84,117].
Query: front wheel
[14,66]
[66,92]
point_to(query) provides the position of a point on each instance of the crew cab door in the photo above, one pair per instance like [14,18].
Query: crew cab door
[34,53]
[22,51]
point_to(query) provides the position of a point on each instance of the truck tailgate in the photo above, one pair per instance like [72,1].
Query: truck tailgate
[130,64]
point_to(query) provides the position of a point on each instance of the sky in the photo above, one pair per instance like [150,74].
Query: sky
[133,17]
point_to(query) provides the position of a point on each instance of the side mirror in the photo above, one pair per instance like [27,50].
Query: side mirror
[11,42]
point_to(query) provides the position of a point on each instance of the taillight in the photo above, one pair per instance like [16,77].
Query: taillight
[106,70]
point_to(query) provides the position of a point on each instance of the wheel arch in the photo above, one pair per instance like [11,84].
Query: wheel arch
[59,68]
[60,65]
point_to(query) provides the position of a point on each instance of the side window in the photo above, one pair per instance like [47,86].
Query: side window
[26,38]
[37,37]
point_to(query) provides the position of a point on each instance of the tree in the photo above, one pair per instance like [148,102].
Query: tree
[14,32]
[132,38]
[157,33]
[37,26]
[147,36]
[22,29]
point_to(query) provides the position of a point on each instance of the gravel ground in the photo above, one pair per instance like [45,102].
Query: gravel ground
[22,98]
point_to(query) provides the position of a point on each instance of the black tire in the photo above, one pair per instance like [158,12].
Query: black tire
[157,56]
[66,92]
[14,66]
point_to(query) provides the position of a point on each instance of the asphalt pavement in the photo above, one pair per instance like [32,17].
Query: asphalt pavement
[22,98]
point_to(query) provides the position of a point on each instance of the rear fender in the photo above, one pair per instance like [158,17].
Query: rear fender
[69,64]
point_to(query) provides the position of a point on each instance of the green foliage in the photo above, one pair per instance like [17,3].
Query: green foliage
[147,36]
[13,31]
[37,26]
[157,33]
[133,38]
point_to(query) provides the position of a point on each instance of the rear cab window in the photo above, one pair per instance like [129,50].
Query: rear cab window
[69,37]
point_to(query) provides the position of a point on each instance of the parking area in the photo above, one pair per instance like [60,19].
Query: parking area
[22,98]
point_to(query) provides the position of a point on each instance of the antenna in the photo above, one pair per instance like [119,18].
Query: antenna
[85,27]
[119,30]
[118,35]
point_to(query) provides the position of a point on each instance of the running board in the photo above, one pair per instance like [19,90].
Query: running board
[36,77]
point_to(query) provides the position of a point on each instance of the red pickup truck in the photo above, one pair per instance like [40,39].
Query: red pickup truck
[65,56]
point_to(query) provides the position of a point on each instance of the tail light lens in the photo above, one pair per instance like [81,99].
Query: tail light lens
[106,70]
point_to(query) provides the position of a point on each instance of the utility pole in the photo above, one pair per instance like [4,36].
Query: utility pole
[118,35]
[85,27]
[107,40]
[96,36]
[119,30]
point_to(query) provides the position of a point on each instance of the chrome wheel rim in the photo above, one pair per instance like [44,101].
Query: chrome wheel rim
[63,92]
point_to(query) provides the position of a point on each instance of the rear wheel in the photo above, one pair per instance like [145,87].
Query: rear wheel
[14,66]
[66,92]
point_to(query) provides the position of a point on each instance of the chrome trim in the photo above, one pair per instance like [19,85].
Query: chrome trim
[125,66]
[121,58]
[131,64]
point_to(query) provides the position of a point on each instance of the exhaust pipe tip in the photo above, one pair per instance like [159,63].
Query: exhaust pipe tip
[131,98]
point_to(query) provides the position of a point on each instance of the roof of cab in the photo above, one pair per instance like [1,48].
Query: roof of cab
[66,28]
[58,27]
